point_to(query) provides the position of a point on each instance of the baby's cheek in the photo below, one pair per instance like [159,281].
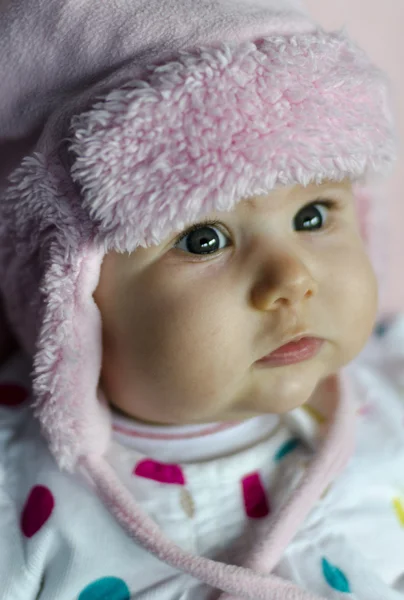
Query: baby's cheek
[196,358]
[360,305]
[191,351]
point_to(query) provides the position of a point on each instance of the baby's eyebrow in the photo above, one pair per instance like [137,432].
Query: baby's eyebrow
[260,204]
[251,203]
[257,203]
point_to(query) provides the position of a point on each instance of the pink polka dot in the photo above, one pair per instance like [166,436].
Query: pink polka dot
[37,510]
[12,394]
[255,497]
[366,410]
[161,472]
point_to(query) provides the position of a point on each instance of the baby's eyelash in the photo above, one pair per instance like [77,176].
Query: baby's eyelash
[196,226]
[328,203]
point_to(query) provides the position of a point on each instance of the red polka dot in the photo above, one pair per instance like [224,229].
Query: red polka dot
[12,394]
[37,510]
[161,472]
[255,498]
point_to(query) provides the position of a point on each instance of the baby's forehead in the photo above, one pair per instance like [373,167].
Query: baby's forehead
[281,198]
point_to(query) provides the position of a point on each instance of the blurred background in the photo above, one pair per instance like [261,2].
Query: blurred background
[377,26]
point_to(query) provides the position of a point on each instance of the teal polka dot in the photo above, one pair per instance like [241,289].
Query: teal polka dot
[107,588]
[286,448]
[335,577]
[381,328]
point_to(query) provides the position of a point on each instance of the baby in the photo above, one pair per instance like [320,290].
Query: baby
[240,315]
[199,409]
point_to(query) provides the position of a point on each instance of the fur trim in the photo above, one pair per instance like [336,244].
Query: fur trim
[67,362]
[50,267]
[226,123]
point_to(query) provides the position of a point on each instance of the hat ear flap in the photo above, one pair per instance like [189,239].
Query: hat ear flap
[67,363]
[49,269]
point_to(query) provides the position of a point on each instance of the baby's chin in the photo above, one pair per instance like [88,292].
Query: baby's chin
[231,415]
[269,408]
[280,394]
[256,407]
[268,393]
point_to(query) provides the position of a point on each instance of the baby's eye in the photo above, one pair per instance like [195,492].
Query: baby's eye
[313,216]
[202,239]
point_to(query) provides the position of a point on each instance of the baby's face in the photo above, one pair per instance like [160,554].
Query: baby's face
[186,322]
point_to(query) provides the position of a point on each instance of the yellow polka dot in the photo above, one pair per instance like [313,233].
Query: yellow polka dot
[187,503]
[399,510]
[314,413]
[327,489]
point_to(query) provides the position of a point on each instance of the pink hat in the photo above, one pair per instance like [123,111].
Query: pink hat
[157,113]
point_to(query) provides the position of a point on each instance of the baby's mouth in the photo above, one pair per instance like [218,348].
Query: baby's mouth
[292,352]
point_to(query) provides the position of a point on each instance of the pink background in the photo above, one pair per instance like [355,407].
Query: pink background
[377,25]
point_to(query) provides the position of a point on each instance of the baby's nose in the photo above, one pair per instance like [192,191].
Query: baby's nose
[286,280]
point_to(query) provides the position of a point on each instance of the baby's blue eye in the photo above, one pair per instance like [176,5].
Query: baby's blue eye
[311,217]
[203,239]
